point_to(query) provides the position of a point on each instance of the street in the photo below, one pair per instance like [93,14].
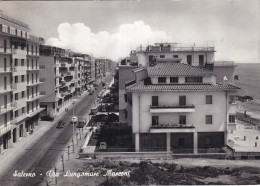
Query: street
[41,155]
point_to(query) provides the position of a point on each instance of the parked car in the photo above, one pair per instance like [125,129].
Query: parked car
[47,118]
[61,124]
[74,119]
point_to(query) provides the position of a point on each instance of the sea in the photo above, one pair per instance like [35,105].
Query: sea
[249,84]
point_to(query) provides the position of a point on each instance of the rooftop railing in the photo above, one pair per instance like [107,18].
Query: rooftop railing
[7,18]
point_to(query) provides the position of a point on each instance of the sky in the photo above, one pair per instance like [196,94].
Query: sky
[113,28]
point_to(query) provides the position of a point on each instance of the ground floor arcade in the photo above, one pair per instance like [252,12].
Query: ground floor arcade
[190,142]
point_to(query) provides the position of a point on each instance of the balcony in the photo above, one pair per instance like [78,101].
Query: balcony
[8,88]
[32,68]
[34,83]
[8,107]
[7,50]
[172,109]
[32,53]
[7,69]
[170,127]
[34,112]
[6,129]
[34,97]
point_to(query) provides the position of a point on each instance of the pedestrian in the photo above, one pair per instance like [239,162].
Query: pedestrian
[245,114]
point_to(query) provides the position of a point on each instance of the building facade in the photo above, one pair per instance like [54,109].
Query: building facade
[69,74]
[19,81]
[179,108]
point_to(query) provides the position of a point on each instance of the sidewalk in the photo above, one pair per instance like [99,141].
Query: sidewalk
[70,155]
[9,156]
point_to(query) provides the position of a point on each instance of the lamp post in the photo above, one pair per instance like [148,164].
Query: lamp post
[73,120]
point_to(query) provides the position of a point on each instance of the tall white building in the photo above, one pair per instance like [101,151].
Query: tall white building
[180,108]
[19,80]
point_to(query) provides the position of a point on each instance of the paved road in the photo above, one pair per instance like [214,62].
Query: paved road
[40,157]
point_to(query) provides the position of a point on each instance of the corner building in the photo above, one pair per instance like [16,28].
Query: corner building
[180,108]
[19,81]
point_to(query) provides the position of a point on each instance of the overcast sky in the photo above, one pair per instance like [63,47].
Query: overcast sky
[113,28]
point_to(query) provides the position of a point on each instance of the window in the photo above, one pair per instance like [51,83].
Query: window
[16,96]
[208,119]
[16,113]
[125,97]
[174,79]
[22,79]
[231,118]
[232,99]
[23,110]
[161,79]
[201,60]
[4,29]
[208,141]
[155,120]
[23,94]
[208,99]
[162,56]
[22,62]
[19,33]
[182,100]
[189,59]
[193,79]
[16,79]
[175,56]
[154,100]
[182,120]
[16,62]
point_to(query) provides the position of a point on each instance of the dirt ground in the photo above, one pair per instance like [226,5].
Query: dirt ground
[163,173]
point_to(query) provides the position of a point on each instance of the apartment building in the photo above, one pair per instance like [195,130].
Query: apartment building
[71,74]
[172,52]
[98,69]
[19,80]
[82,71]
[176,53]
[179,108]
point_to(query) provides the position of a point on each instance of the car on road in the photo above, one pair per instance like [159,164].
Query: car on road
[61,124]
[74,119]
[81,124]
[47,118]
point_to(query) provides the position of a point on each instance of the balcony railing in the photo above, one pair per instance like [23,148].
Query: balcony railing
[7,69]
[7,50]
[8,107]
[172,108]
[36,110]
[32,53]
[32,68]
[34,97]
[30,83]
[172,127]
[6,129]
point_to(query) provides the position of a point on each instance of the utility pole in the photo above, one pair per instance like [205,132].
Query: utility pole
[56,181]
[77,138]
[72,145]
[73,121]
[68,152]
[62,160]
